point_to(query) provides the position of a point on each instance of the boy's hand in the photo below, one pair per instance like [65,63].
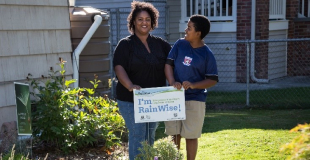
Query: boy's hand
[177,85]
[187,85]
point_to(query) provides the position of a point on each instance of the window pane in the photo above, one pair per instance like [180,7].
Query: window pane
[188,6]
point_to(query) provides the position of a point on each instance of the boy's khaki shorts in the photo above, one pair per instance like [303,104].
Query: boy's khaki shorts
[190,128]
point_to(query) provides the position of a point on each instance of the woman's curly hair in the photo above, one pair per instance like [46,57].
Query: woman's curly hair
[136,8]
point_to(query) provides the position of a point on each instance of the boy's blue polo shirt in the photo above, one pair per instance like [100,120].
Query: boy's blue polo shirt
[193,65]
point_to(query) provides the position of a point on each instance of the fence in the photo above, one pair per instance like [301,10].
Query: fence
[265,73]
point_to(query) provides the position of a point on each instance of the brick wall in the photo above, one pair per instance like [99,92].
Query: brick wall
[243,33]
[261,33]
[298,55]
[244,9]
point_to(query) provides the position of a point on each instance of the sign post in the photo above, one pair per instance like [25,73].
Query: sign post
[159,104]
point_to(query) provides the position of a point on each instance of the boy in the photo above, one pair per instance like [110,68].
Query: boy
[191,65]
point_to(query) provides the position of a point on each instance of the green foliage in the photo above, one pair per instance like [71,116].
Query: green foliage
[166,149]
[70,118]
[299,147]
[12,156]
[147,152]
[163,148]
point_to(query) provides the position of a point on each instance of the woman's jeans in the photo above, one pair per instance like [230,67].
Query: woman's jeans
[138,132]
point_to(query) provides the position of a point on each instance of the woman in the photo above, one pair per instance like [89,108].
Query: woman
[139,62]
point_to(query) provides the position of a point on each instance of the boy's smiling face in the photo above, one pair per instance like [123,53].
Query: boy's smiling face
[190,32]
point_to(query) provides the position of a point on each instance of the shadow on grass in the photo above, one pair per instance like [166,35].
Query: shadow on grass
[216,120]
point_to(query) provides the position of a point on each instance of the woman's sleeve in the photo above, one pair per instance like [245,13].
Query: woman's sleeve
[121,54]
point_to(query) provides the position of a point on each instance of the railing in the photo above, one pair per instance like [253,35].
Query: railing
[277,9]
[304,9]
[225,10]
[215,10]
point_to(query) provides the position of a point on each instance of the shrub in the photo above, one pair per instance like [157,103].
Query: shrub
[299,147]
[163,148]
[166,149]
[147,152]
[71,118]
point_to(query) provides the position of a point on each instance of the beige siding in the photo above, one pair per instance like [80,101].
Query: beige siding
[33,35]
[104,4]
[225,54]
[36,2]
[174,18]
[277,55]
[7,91]
[18,67]
[15,17]
[7,117]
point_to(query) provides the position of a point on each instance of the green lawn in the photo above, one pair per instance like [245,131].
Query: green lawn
[245,134]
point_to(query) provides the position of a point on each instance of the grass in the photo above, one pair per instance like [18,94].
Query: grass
[245,134]
[277,98]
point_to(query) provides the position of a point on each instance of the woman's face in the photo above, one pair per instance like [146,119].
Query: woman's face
[142,23]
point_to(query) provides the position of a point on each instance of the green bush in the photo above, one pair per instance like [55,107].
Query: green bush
[299,147]
[71,118]
[163,148]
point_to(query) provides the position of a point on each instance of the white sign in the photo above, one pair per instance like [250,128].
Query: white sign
[159,104]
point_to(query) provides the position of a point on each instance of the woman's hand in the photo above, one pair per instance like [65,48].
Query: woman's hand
[133,86]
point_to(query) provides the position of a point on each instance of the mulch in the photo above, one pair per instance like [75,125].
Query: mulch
[87,153]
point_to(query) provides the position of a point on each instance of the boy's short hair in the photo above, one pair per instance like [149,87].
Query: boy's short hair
[201,24]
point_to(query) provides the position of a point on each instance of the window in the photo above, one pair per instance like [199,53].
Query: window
[277,9]
[215,10]
[304,9]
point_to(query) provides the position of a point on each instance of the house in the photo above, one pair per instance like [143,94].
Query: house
[33,35]
[231,20]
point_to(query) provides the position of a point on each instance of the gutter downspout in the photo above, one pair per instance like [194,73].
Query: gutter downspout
[253,26]
[81,46]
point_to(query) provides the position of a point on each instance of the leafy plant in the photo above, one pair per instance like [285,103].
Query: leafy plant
[13,156]
[163,148]
[147,152]
[299,147]
[70,118]
[166,149]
